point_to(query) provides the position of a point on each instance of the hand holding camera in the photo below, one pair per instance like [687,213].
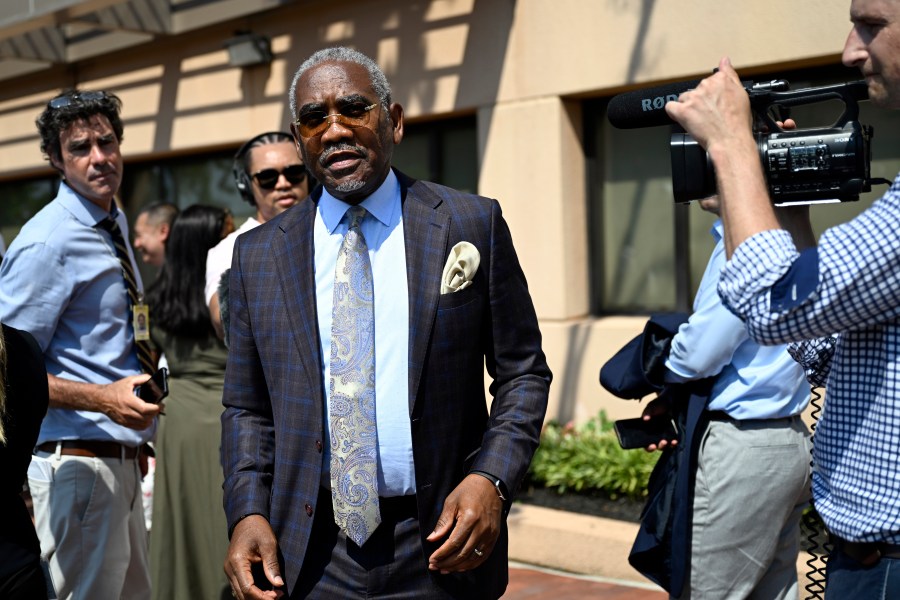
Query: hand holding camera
[802,166]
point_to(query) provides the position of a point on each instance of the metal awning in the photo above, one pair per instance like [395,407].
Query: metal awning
[38,34]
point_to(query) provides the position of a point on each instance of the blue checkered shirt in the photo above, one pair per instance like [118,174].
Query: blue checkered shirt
[849,285]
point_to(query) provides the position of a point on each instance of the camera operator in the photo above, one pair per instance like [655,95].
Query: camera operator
[849,284]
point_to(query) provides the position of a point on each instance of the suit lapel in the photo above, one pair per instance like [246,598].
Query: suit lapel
[293,257]
[425,231]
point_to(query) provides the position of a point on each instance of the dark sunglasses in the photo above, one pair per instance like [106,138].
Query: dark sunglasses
[268,178]
[77,97]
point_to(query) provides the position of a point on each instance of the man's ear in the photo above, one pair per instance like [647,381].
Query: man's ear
[56,162]
[164,231]
[397,122]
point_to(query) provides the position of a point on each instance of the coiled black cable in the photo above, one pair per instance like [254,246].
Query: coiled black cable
[817,545]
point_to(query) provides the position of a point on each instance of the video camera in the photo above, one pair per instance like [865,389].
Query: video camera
[801,166]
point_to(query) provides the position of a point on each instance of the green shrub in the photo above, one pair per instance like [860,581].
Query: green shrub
[588,459]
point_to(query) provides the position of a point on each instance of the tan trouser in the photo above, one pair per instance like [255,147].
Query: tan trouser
[90,522]
[751,487]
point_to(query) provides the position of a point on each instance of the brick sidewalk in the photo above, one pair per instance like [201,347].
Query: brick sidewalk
[534,584]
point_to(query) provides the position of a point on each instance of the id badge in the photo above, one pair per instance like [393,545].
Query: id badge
[141,322]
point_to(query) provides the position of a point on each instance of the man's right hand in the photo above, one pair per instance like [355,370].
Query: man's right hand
[253,543]
[124,407]
[717,114]
[116,400]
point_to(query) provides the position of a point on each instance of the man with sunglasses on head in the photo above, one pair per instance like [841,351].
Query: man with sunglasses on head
[270,176]
[70,280]
[360,456]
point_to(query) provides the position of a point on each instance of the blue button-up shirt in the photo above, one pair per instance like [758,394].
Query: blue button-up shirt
[754,382]
[850,286]
[383,230]
[62,282]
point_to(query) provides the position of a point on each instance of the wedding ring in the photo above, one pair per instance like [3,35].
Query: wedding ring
[477,552]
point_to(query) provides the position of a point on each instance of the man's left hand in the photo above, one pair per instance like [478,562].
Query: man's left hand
[658,407]
[472,517]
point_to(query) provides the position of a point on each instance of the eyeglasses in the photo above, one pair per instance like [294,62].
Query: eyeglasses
[77,97]
[316,122]
[268,178]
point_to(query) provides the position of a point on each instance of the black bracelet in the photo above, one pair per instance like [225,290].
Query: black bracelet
[498,484]
[241,518]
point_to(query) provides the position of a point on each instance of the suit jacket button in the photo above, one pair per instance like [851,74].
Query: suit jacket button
[309,510]
[319,445]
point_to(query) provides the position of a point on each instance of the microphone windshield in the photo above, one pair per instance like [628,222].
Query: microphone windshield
[646,107]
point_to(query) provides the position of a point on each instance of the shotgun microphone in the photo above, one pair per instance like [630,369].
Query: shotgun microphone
[646,107]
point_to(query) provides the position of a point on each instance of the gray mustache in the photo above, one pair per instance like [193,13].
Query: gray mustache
[341,147]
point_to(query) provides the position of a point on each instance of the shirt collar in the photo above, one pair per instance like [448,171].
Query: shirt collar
[717,231]
[381,204]
[84,211]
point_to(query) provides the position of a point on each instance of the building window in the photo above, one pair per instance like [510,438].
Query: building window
[647,253]
[22,200]
[444,152]
[183,181]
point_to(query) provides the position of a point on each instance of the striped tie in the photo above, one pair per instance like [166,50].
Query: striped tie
[144,354]
[354,453]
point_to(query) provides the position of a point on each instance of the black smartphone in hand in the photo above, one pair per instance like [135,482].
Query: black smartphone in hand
[638,433]
[156,388]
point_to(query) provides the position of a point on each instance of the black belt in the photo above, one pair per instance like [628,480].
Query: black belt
[394,508]
[865,553]
[91,449]
[398,507]
[721,415]
[718,415]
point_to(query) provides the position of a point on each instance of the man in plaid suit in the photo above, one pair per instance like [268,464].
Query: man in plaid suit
[446,465]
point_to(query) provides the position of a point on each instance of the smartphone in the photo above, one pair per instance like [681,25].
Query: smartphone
[638,433]
[156,388]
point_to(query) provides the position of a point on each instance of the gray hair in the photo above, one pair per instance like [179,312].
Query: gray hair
[342,54]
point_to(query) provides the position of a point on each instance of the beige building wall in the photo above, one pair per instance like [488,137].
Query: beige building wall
[520,66]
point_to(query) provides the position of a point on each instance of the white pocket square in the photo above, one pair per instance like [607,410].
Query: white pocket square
[460,268]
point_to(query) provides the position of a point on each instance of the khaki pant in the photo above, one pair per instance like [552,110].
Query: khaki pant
[90,522]
[751,487]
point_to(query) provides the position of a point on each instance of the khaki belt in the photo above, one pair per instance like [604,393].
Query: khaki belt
[91,449]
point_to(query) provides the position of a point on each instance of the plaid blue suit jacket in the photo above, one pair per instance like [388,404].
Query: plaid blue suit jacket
[272,427]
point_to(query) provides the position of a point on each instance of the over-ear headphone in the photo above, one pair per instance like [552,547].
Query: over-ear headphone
[240,166]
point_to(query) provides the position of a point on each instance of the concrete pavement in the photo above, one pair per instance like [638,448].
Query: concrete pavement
[571,542]
[558,555]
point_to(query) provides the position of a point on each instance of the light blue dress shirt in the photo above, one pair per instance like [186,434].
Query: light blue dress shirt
[62,282]
[383,230]
[754,382]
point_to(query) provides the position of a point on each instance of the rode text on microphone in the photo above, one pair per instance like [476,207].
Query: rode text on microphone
[801,166]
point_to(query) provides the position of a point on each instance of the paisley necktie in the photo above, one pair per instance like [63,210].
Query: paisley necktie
[354,453]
